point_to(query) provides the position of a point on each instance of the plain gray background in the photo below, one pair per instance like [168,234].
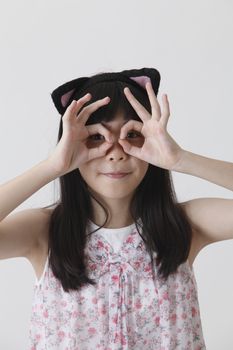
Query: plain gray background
[46,43]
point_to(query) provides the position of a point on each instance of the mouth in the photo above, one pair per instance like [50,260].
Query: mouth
[116,175]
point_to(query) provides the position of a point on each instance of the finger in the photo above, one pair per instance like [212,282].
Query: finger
[137,106]
[99,129]
[75,106]
[166,111]
[99,151]
[130,125]
[88,110]
[131,150]
[155,107]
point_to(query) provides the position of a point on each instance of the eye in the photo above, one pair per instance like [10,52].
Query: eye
[134,133]
[95,137]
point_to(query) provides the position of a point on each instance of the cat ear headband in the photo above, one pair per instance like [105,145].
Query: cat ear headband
[63,95]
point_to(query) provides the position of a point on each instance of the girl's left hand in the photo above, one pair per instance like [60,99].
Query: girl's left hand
[159,148]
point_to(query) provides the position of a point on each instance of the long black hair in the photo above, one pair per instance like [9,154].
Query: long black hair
[166,229]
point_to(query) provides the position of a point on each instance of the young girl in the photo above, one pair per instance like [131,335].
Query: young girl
[113,257]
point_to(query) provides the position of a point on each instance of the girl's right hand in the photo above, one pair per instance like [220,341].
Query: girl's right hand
[72,151]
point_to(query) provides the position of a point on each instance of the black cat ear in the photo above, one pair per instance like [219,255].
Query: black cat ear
[143,75]
[62,96]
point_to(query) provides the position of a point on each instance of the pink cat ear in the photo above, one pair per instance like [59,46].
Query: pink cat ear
[65,98]
[142,80]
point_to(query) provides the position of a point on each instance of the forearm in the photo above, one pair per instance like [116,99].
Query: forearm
[217,171]
[17,190]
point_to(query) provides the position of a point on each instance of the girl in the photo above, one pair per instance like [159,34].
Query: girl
[113,257]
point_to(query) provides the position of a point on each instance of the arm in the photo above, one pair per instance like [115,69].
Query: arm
[217,171]
[22,233]
[211,217]
[17,190]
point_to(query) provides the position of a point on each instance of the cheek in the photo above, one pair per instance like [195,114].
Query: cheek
[85,172]
[142,167]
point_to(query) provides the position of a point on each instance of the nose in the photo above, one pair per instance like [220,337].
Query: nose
[116,152]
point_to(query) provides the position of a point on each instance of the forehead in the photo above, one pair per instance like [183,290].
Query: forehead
[119,120]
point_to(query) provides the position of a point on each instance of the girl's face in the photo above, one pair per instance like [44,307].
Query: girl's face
[115,160]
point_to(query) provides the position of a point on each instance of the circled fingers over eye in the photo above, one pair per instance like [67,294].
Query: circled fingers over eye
[129,126]
[85,113]
[99,129]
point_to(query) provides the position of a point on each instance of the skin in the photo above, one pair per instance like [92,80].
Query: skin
[115,146]
[115,194]
[152,145]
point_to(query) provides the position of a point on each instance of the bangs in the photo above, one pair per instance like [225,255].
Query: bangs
[118,101]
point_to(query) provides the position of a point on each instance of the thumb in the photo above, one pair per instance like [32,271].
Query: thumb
[128,148]
[99,151]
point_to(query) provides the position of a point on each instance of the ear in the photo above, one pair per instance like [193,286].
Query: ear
[141,76]
[66,97]
[63,95]
[141,80]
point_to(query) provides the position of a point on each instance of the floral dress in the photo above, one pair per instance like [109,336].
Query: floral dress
[130,307]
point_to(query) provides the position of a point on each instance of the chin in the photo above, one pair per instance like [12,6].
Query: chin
[114,193]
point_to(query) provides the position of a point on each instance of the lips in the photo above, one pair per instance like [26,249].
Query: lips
[116,175]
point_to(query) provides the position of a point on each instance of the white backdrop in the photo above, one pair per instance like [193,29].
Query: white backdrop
[46,43]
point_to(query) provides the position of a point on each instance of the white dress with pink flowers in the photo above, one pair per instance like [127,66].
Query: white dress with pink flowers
[130,307]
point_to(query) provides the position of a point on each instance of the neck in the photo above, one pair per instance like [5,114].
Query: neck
[118,212]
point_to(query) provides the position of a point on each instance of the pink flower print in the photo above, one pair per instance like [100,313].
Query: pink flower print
[160,301]
[165,296]
[64,303]
[194,312]
[74,314]
[188,295]
[45,314]
[115,318]
[116,337]
[100,245]
[61,335]
[92,267]
[173,318]
[157,321]
[38,337]
[103,311]
[94,300]
[130,239]
[92,331]
[115,278]
[138,304]
[148,268]
[184,316]
[137,264]
[123,341]
[146,290]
